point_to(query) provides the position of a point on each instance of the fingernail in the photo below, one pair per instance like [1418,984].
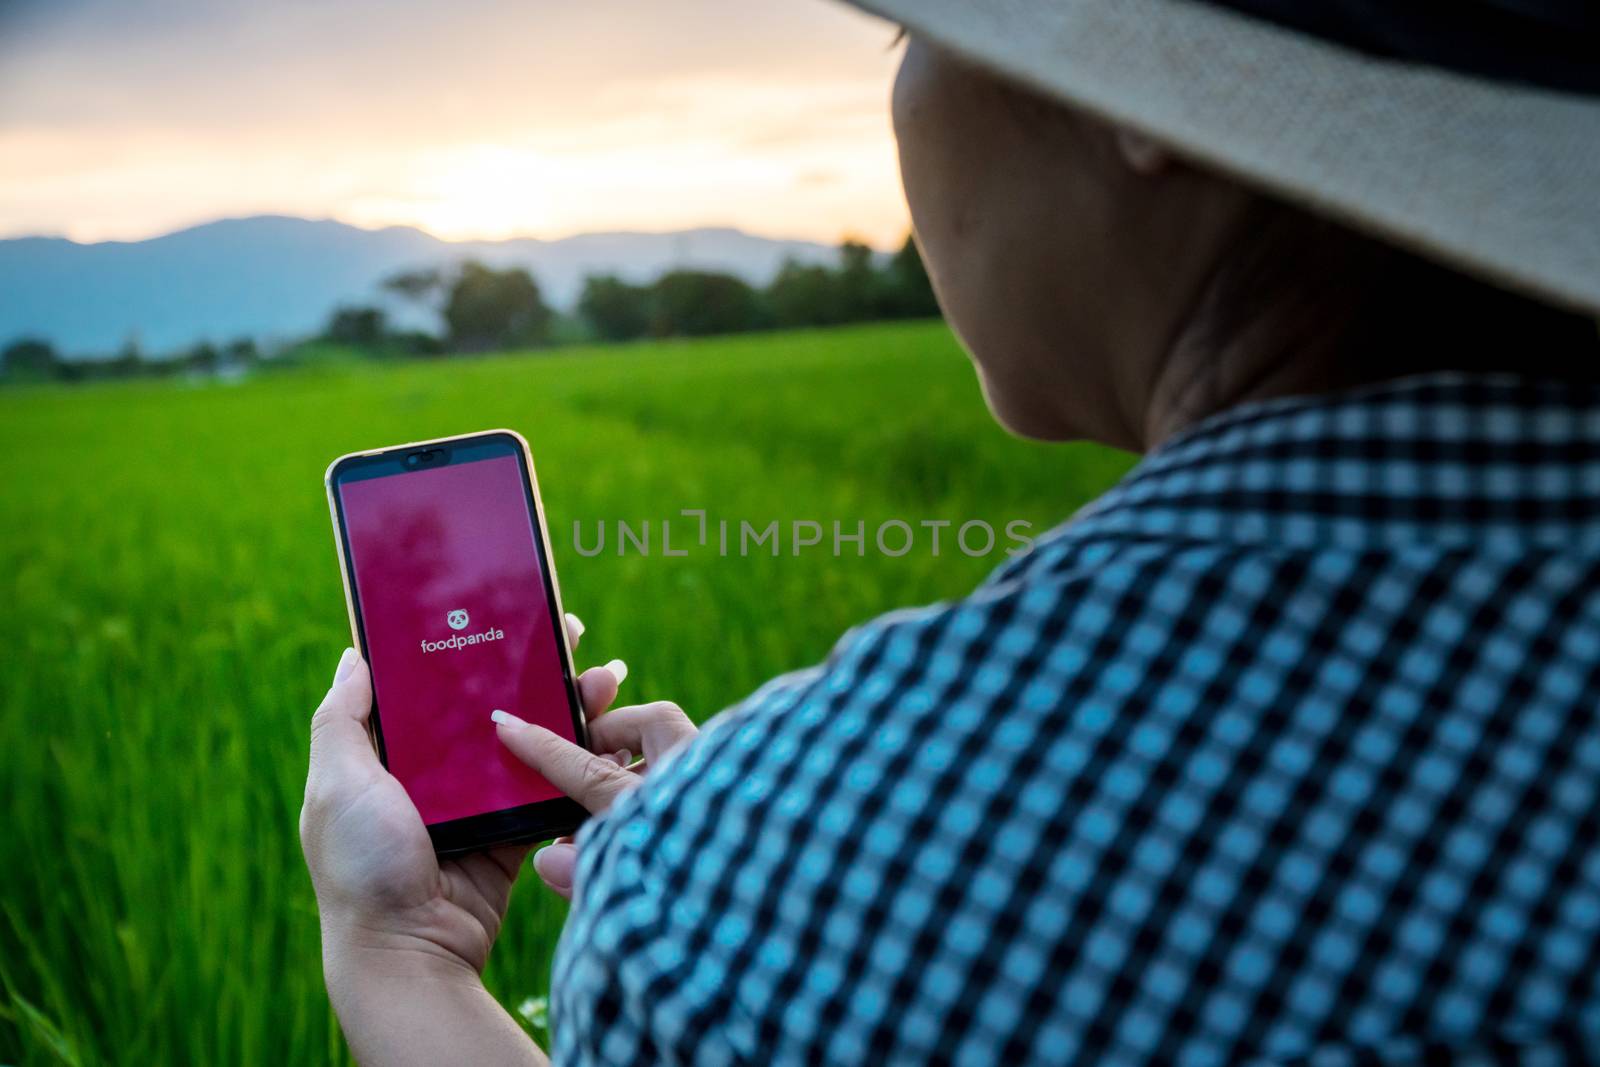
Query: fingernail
[618,669]
[576,625]
[505,718]
[623,757]
[347,663]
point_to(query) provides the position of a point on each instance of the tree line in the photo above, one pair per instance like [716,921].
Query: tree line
[480,308]
[696,303]
[32,359]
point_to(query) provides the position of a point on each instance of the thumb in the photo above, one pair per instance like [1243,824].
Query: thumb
[556,864]
[340,744]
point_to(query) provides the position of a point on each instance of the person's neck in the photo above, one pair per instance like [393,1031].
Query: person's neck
[1307,354]
[1204,375]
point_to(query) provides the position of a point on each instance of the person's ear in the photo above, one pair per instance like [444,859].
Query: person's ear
[1141,154]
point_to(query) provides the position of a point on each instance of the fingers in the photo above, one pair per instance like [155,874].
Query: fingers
[597,687]
[593,781]
[491,875]
[555,864]
[509,859]
[340,744]
[650,730]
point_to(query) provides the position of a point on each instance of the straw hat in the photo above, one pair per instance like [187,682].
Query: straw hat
[1468,131]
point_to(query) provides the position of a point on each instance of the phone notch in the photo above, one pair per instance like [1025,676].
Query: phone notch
[427,457]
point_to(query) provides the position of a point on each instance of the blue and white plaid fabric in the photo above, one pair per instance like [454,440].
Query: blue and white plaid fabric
[1287,749]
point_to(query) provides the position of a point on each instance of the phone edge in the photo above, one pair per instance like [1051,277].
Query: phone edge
[554,572]
[580,720]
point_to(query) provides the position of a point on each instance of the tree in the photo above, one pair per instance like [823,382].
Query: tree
[416,343]
[237,358]
[203,358]
[30,359]
[241,353]
[692,303]
[614,309]
[417,286]
[805,296]
[128,363]
[489,308]
[364,327]
[913,292]
[858,290]
[862,290]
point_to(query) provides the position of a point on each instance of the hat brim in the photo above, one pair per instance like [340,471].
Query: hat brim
[1493,178]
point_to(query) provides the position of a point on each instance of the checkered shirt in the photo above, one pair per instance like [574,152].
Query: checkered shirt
[1285,750]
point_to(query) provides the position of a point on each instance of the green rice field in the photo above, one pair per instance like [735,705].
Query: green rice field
[174,613]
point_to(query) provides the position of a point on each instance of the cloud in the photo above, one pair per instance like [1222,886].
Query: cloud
[123,120]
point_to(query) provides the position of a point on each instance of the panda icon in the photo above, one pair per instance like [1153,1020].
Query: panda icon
[457,619]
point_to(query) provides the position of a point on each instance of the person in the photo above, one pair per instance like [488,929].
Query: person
[1286,749]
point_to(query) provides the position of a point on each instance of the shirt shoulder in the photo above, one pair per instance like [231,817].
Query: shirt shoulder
[699,892]
[1288,743]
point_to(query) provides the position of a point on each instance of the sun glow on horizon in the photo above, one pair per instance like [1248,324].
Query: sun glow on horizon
[771,119]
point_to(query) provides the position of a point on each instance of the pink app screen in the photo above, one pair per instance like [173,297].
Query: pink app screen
[452,597]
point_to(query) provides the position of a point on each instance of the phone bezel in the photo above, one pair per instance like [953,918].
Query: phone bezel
[538,821]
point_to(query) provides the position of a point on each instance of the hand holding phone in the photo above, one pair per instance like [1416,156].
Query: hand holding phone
[408,922]
[405,932]
[368,850]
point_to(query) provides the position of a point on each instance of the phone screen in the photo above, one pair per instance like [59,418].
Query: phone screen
[451,587]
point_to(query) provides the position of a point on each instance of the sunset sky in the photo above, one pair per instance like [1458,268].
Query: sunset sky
[475,118]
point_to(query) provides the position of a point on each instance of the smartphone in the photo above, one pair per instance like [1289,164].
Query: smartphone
[454,604]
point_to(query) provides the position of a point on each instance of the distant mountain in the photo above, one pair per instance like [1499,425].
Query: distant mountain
[273,277]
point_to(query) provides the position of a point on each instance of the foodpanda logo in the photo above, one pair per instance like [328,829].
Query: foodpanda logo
[459,620]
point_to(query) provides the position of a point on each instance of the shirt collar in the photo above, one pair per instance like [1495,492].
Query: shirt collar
[1436,460]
